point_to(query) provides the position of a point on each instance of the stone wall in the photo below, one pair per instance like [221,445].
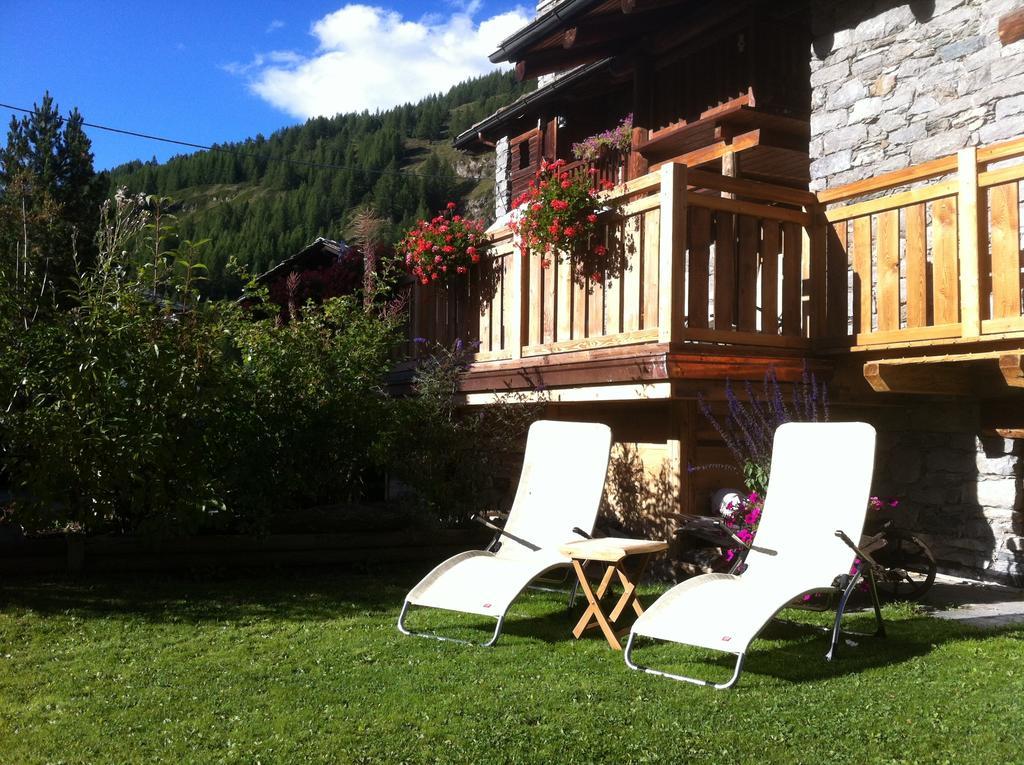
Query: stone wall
[502,171]
[961,492]
[896,84]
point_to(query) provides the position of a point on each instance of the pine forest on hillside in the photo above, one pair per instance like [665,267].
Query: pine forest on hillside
[261,210]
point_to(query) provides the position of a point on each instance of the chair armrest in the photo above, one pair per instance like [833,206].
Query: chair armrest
[864,556]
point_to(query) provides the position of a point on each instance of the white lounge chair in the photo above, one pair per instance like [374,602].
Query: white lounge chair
[815,507]
[559,490]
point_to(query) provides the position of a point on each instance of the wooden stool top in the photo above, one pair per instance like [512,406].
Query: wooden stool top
[611,548]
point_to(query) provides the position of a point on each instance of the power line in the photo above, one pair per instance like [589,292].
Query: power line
[225,150]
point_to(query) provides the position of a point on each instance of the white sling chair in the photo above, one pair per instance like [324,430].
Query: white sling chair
[815,507]
[559,490]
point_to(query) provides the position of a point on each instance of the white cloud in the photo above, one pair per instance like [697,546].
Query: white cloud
[369,57]
[274,25]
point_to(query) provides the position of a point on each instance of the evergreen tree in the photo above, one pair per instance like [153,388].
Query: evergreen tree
[50,196]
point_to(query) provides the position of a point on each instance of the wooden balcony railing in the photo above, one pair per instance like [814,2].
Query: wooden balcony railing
[937,262]
[696,257]
[689,261]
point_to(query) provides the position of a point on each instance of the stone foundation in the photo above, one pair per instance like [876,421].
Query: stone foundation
[960,492]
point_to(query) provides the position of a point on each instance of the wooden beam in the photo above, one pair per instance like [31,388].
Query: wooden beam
[1003,432]
[1011,365]
[557,60]
[754,189]
[1011,27]
[885,377]
[629,392]
[613,28]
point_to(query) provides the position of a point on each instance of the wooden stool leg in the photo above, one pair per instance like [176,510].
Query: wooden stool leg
[629,586]
[594,609]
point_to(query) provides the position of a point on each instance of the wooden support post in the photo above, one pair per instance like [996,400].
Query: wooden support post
[671,273]
[638,165]
[968,233]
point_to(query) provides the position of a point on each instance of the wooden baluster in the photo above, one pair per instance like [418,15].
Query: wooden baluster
[792,239]
[633,250]
[613,287]
[1005,242]
[563,300]
[549,291]
[770,240]
[535,299]
[888,295]
[862,279]
[649,272]
[917,266]
[699,270]
[945,263]
[579,302]
[486,309]
[519,289]
[750,234]
[725,270]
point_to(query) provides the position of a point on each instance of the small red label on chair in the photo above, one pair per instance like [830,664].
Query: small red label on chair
[487,605]
[726,638]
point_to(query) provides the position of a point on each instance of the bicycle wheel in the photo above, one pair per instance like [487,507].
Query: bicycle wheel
[908,566]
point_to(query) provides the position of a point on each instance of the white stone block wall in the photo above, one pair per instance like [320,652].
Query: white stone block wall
[502,192]
[897,84]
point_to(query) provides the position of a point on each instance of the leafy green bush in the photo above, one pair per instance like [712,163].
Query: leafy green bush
[144,409]
[455,460]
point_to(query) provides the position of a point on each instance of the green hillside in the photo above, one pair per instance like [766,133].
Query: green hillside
[261,209]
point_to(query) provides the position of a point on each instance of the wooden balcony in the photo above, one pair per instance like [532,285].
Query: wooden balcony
[699,286]
[924,281]
[711,277]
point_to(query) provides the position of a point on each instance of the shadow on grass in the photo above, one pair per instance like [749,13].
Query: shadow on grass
[794,652]
[288,594]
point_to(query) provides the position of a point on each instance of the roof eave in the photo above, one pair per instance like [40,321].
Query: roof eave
[539,28]
[465,139]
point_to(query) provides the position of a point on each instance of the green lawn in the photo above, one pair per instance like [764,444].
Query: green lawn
[289,667]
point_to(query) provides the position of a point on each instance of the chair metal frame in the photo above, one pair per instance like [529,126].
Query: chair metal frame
[845,584]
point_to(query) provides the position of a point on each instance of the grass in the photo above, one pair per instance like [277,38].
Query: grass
[289,667]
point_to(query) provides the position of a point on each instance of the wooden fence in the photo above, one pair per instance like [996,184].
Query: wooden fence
[940,261]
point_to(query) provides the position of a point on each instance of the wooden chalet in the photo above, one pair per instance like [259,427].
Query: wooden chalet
[906,283]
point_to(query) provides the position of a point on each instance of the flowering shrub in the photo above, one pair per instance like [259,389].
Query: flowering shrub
[748,429]
[619,138]
[742,517]
[557,219]
[444,247]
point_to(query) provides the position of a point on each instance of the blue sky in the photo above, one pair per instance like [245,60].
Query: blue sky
[224,70]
